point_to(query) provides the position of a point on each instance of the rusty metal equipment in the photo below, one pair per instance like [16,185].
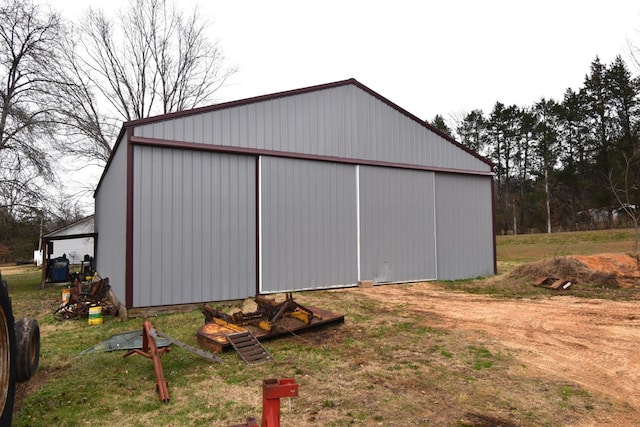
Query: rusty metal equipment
[267,313]
[83,296]
[248,347]
[272,391]
[269,320]
[151,351]
[555,283]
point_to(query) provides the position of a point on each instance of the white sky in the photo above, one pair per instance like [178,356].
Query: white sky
[428,57]
[445,57]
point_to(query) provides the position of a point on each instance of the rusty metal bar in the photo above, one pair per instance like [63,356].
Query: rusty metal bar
[151,351]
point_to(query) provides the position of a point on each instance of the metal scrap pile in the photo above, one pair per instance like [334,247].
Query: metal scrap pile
[266,315]
[83,296]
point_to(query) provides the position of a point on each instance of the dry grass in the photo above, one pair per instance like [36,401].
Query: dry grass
[516,250]
[389,364]
[564,267]
[12,270]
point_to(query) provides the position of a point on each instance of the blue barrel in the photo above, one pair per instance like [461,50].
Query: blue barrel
[60,270]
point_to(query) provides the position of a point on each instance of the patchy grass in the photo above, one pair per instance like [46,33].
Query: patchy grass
[386,365]
[391,369]
[525,248]
[523,259]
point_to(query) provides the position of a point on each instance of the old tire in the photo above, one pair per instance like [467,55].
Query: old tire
[28,348]
[7,357]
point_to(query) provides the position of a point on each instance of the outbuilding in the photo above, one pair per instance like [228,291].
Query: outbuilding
[316,188]
[74,243]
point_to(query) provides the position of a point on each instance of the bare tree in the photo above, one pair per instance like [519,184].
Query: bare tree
[151,60]
[26,120]
[87,130]
[626,191]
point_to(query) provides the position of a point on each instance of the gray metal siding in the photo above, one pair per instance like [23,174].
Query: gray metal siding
[110,222]
[464,222]
[397,237]
[308,225]
[343,121]
[194,226]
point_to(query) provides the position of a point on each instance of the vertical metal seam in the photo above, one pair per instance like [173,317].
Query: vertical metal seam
[128,268]
[435,226]
[259,225]
[358,220]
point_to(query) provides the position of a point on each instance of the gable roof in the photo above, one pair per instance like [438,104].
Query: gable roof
[279,95]
[301,91]
[81,227]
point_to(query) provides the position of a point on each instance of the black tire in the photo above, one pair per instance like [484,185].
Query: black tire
[28,348]
[7,357]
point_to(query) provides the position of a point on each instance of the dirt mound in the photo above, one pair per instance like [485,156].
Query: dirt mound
[602,270]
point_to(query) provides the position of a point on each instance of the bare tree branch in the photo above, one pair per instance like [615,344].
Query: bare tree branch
[624,193]
[27,123]
[150,60]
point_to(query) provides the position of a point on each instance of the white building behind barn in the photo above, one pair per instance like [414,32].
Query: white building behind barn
[73,241]
[315,188]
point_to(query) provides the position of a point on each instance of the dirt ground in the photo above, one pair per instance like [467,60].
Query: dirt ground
[591,342]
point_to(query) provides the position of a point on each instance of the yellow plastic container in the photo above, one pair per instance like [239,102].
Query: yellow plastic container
[95,315]
[66,294]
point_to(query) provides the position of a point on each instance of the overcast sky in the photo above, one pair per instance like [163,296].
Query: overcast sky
[429,57]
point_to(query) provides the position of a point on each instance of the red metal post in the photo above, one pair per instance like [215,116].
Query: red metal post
[152,348]
[272,391]
[151,351]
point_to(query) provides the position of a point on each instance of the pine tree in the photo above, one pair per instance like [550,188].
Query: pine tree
[439,123]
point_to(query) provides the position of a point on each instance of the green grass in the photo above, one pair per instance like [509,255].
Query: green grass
[386,357]
[513,250]
[524,249]
[480,357]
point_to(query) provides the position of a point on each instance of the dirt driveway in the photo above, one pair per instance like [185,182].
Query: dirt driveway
[593,343]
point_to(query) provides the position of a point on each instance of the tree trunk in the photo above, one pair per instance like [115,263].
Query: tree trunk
[635,241]
[515,220]
[548,199]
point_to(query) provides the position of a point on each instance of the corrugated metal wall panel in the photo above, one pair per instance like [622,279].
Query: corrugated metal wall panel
[464,222]
[308,225]
[342,122]
[194,233]
[397,237]
[110,222]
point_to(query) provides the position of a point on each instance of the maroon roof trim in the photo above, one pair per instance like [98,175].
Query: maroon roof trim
[420,121]
[240,102]
[304,90]
[137,140]
[115,148]
[262,98]
[128,267]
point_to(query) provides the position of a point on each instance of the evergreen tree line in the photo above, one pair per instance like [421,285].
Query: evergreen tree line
[563,165]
